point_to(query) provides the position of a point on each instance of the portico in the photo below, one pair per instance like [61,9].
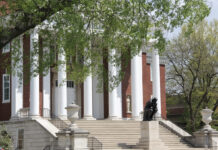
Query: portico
[58,91]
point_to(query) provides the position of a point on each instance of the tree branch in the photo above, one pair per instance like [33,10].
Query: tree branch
[20,21]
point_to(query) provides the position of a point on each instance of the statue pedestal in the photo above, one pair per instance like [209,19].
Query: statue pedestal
[150,139]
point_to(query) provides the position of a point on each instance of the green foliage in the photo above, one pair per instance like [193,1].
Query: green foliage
[193,69]
[98,26]
[5,139]
[174,100]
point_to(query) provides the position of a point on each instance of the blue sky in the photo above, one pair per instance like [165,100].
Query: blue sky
[213,15]
[214,11]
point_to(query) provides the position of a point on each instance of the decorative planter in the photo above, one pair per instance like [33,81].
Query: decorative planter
[206,118]
[72,115]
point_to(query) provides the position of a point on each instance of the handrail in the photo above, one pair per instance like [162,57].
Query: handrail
[174,128]
[94,143]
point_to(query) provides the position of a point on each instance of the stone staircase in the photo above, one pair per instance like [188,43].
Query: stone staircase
[173,141]
[122,134]
[113,134]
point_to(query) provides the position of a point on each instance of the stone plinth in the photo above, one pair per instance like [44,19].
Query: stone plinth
[206,138]
[76,139]
[150,139]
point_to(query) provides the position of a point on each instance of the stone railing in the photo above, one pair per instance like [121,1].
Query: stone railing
[23,113]
[178,131]
[174,128]
[94,144]
[60,124]
[207,139]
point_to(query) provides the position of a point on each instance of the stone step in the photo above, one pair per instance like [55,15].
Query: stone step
[190,148]
[117,148]
[111,129]
[124,134]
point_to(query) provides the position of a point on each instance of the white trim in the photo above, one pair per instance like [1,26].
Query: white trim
[3,88]
[6,48]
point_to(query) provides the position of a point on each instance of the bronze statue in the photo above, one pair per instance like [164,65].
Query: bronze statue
[150,109]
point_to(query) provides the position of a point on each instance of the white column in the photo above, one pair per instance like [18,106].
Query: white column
[34,81]
[98,98]
[156,81]
[88,102]
[46,89]
[62,86]
[136,86]
[17,79]
[88,112]
[115,96]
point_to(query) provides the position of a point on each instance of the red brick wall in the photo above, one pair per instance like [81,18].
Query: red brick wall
[126,84]
[5,108]
[106,94]
[41,95]
[82,100]
[26,71]
[126,89]
[147,86]
[26,75]
[40,78]
[51,92]
[163,91]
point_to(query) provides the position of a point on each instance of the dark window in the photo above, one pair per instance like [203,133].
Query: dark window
[6,88]
[70,84]
[56,83]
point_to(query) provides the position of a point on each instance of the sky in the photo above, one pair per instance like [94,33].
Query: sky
[214,11]
[213,15]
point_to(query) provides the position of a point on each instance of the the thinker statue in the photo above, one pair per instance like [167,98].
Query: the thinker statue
[150,109]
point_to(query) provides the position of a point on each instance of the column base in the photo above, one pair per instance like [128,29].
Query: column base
[114,118]
[136,118]
[34,117]
[157,117]
[88,118]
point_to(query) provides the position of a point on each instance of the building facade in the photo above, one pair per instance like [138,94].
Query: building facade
[47,96]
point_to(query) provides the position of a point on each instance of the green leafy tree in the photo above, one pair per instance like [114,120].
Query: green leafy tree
[193,70]
[5,139]
[70,26]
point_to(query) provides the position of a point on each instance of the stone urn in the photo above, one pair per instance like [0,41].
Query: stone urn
[206,118]
[72,115]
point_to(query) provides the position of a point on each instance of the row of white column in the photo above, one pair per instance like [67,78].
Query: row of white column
[115,96]
[17,83]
